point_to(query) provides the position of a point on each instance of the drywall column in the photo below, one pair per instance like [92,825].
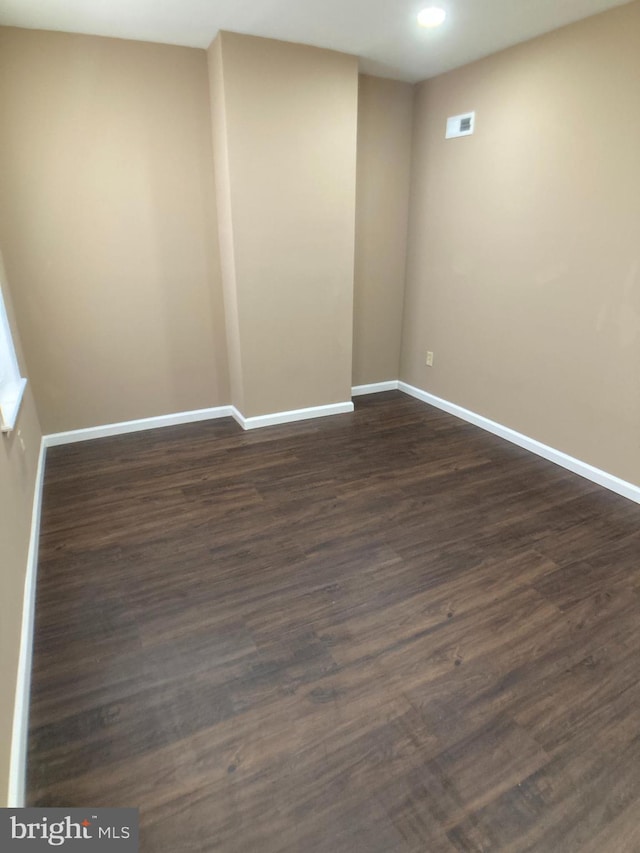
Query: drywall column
[385,121]
[285,125]
[225,225]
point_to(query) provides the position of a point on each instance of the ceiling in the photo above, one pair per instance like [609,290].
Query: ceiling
[383,33]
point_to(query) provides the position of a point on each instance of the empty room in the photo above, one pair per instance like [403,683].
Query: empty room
[320,410]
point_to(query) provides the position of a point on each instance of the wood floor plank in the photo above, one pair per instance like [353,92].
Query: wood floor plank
[386,632]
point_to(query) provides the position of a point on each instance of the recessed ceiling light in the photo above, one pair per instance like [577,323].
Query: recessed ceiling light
[432,16]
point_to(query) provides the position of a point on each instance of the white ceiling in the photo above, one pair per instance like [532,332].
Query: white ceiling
[383,33]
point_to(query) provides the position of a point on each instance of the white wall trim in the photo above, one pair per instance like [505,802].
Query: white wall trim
[291,416]
[596,475]
[20,732]
[56,438]
[374,388]
[238,417]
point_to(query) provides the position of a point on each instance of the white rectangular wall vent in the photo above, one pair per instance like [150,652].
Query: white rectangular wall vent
[462,125]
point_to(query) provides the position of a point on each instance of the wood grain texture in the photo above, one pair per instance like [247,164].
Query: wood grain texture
[386,631]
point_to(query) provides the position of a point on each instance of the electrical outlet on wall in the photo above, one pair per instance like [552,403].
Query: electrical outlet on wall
[429,361]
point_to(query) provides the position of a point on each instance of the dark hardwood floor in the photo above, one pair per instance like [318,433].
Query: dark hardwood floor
[386,631]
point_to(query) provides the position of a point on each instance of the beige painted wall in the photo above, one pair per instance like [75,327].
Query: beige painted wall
[385,120]
[17,479]
[108,226]
[524,252]
[291,125]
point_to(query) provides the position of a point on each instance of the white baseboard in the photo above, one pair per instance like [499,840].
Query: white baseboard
[291,416]
[596,475]
[20,732]
[374,388]
[74,435]
[238,417]
[57,438]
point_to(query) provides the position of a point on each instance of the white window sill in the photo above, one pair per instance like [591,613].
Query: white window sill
[10,405]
